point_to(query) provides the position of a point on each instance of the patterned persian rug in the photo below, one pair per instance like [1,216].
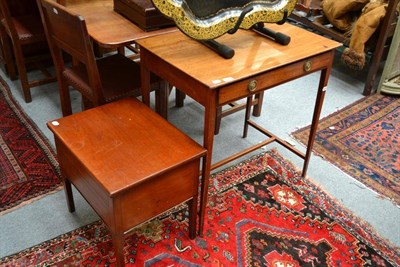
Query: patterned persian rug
[363,140]
[263,216]
[28,165]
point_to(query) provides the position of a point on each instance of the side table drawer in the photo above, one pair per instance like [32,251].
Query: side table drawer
[273,78]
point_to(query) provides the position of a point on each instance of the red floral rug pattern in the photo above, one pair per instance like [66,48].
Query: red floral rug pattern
[28,164]
[363,140]
[273,218]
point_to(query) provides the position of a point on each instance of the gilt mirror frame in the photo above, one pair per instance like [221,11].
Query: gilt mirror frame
[209,19]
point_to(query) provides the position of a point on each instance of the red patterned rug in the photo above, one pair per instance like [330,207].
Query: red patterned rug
[363,140]
[270,218]
[28,165]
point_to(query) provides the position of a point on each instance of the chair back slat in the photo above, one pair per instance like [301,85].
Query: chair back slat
[67,32]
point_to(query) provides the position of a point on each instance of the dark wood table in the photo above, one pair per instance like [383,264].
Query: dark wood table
[108,28]
[214,81]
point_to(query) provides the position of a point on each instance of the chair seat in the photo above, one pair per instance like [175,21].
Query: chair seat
[119,76]
[29,28]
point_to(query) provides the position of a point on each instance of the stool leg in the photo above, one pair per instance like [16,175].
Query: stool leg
[118,242]
[69,195]
[192,205]
[247,116]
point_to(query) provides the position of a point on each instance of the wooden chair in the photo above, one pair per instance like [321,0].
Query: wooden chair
[377,47]
[98,80]
[21,23]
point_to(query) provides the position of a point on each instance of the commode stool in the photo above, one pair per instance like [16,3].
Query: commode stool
[129,164]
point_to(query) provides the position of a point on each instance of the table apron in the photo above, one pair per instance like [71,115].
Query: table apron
[195,89]
[275,77]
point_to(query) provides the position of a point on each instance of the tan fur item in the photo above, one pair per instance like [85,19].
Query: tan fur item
[340,13]
[365,26]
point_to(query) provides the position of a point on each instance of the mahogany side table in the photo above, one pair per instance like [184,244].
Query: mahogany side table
[129,164]
[212,81]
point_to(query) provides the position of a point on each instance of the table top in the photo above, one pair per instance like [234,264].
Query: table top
[254,53]
[150,144]
[107,27]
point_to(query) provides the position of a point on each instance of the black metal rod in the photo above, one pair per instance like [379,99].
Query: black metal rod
[222,50]
[278,37]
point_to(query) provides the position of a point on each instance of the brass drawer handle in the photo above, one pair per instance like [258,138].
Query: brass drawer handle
[252,85]
[307,65]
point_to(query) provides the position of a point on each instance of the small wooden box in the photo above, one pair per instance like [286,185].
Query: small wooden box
[142,13]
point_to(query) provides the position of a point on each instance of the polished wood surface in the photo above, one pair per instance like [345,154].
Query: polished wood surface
[129,164]
[107,27]
[253,54]
[213,81]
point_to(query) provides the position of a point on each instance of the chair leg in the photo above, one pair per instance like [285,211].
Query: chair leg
[98,51]
[23,77]
[257,107]
[8,58]
[65,99]
[87,104]
[257,103]
[179,98]
[371,76]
